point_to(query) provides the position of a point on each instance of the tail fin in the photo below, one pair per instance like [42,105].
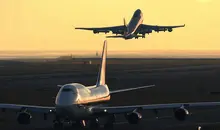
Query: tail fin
[125,24]
[101,74]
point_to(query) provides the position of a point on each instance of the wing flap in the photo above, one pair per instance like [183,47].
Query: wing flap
[113,29]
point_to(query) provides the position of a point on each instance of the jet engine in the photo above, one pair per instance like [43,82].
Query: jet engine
[94,31]
[24,118]
[133,117]
[149,31]
[170,29]
[103,31]
[181,113]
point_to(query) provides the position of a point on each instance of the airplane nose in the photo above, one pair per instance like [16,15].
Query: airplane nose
[66,99]
[129,36]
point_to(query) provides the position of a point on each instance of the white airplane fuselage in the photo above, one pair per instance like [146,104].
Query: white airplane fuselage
[133,25]
[71,98]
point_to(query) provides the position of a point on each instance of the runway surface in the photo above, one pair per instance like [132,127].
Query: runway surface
[176,81]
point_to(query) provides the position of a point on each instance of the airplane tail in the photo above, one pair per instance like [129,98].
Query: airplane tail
[101,74]
[125,24]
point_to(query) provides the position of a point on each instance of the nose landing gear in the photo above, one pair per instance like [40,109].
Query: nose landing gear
[94,124]
[109,124]
[57,124]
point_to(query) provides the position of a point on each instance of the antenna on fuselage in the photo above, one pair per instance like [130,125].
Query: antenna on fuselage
[101,74]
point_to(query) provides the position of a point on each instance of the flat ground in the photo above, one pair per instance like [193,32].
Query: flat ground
[176,80]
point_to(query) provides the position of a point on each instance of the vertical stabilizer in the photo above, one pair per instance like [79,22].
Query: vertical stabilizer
[125,27]
[101,74]
[125,24]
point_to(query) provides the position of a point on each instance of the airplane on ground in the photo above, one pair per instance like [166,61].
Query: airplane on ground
[81,105]
[133,29]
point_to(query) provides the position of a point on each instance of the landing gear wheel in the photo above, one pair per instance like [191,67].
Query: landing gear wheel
[57,124]
[79,124]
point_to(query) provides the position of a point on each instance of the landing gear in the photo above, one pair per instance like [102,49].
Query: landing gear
[57,124]
[199,128]
[136,37]
[79,124]
[143,36]
[94,123]
[110,122]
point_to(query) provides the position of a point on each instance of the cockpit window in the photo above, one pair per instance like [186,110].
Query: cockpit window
[67,90]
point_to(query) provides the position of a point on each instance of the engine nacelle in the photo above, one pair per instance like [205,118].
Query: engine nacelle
[149,31]
[100,31]
[24,118]
[94,31]
[181,113]
[170,29]
[133,118]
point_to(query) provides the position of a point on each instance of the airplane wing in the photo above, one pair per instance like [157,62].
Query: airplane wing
[130,89]
[113,29]
[149,28]
[127,109]
[18,107]
[115,36]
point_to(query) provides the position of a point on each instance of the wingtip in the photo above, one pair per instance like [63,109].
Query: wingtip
[74,27]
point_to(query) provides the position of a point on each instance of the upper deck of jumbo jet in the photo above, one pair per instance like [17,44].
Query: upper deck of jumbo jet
[74,87]
[138,13]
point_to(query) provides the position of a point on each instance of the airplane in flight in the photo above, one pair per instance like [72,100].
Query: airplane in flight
[82,105]
[134,29]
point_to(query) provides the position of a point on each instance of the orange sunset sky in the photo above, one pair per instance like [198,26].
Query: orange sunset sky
[47,25]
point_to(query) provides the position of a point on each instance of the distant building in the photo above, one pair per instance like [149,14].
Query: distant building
[88,62]
[70,57]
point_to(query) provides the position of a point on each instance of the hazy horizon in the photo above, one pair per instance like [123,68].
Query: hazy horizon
[115,54]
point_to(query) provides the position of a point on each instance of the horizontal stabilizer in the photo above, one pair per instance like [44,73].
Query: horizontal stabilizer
[130,89]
